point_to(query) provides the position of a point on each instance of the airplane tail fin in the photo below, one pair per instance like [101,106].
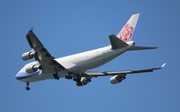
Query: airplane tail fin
[124,37]
[127,31]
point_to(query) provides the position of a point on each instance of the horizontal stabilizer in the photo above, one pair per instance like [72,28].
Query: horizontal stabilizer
[116,43]
[141,48]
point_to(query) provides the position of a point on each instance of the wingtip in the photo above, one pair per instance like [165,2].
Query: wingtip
[163,65]
[31,29]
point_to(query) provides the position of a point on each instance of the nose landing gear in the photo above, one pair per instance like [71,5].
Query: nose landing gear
[27,86]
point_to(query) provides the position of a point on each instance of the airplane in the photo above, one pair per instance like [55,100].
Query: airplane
[76,66]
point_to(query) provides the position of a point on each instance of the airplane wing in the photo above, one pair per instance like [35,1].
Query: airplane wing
[46,60]
[122,72]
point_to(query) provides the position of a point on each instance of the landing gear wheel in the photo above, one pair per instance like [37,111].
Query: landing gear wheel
[68,77]
[74,79]
[56,76]
[78,81]
[27,88]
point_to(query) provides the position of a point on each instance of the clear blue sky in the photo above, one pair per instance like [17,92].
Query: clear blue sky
[66,27]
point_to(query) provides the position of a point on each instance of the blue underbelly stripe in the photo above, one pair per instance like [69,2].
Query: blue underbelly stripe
[24,75]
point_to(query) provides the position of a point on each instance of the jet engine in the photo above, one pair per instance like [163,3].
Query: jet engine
[83,81]
[28,55]
[31,68]
[117,79]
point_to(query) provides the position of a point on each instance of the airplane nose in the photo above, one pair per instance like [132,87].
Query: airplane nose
[20,75]
[17,76]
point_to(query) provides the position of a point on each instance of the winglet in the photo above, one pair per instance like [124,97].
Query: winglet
[163,65]
[31,29]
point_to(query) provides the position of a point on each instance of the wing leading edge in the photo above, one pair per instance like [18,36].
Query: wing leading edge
[42,55]
[121,72]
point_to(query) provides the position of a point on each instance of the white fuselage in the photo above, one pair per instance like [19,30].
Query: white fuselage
[79,63]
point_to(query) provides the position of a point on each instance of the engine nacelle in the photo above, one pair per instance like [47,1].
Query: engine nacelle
[84,81]
[31,68]
[117,79]
[28,55]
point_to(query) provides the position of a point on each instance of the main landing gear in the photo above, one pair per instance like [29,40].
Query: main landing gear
[27,86]
[68,77]
[78,81]
[74,77]
[55,75]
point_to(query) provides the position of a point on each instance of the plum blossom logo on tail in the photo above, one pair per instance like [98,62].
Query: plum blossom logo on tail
[126,32]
